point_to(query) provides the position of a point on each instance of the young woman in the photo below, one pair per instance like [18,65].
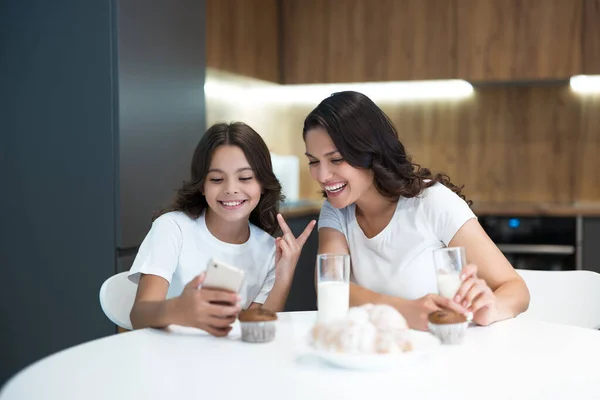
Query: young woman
[389,214]
[227,211]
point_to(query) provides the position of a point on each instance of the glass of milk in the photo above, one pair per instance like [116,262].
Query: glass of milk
[333,287]
[449,262]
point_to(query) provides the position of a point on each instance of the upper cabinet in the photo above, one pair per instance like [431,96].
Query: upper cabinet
[365,40]
[242,36]
[324,41]
[518,39]
[591,37]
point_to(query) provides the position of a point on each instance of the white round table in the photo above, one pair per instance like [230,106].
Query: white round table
[511,359]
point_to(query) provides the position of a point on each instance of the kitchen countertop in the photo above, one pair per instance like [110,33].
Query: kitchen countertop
[303,208]
[534,210]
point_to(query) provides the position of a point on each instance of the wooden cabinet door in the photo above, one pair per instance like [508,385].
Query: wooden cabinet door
[518,39]
[591,37]
[242,36]
[367,40]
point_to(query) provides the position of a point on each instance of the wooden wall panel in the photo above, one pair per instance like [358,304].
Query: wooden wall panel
[587,163]
[365,40]
[304,49]
[243,37]
[591,37]
[518,145]
[517,39]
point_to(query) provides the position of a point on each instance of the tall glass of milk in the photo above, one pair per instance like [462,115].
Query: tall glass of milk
[449,262]
[333,287]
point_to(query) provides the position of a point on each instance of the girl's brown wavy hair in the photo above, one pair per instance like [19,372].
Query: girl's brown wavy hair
[367,139]
[190,198]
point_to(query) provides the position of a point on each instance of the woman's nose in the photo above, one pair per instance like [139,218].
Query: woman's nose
[324,174]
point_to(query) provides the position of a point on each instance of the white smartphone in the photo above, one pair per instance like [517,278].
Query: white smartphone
[220,275]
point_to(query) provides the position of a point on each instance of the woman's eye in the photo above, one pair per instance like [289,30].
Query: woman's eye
[216,180]
[313,162]
[338,161]
[246,178]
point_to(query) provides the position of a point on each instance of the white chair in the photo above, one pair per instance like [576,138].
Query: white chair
[565,297]
[117,295]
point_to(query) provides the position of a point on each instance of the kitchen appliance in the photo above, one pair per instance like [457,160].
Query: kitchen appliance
[537,243]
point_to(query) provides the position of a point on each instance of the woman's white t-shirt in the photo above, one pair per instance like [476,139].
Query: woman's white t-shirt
[399,260]
[178,248]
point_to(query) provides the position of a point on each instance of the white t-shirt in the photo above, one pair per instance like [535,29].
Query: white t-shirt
[399,260]
[178,248]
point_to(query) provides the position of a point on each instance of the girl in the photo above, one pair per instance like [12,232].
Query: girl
[390,214]
[228,211]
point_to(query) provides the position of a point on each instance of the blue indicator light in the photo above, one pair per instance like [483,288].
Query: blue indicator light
[514,222]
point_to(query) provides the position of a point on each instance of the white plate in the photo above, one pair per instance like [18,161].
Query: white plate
[423,344]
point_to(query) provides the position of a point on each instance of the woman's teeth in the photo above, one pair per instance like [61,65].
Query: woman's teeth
[335,188]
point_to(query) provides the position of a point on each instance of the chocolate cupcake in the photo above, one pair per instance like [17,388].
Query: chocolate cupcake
[448,326]
[258,325]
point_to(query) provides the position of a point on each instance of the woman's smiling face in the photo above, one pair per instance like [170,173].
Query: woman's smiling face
[342,183]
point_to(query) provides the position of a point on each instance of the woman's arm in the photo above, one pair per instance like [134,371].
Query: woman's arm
[415,311]
[509,296]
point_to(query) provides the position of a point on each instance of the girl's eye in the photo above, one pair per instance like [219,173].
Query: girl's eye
[338,161]
[313,162]
[246,178]
[216,180]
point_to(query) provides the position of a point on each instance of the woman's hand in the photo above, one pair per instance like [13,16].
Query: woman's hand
[289,248]
[417,311]
[211,310]
[476,296]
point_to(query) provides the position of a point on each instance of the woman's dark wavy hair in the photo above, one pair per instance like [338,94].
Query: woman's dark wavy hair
[190,198]
[367,139]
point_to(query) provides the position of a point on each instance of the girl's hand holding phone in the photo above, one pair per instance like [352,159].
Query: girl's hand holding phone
[196,307]
[289,248]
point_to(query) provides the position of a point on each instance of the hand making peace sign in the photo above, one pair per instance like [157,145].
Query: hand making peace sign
[289,247]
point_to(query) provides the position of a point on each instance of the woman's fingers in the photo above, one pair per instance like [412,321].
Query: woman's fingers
[470,270]
[464,289]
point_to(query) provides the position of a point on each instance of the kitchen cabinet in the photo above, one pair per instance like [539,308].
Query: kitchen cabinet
[590,251]
[591,37]
[504,40]
[362,40]
[242,36]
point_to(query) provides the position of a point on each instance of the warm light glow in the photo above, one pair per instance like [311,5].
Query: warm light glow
[585,83]
[314,93]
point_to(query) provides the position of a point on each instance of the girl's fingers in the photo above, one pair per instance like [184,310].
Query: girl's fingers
[283,225]
[306,233]
[478,288]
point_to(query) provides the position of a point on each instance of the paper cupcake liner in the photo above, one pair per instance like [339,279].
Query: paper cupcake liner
[258,332]
[449,333]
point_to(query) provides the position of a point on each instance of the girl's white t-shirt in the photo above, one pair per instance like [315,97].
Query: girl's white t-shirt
[399,260]
[177,248]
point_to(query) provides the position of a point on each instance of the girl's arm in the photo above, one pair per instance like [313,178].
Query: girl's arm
[491,285]
[195,307]
[286,257]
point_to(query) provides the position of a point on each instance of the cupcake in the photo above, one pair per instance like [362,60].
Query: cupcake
[258,325]
[448,326]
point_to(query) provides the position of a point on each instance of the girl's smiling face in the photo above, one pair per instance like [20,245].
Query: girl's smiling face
[231,188]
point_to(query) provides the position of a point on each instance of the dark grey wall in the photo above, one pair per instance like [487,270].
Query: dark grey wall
[58,187]
[102,106]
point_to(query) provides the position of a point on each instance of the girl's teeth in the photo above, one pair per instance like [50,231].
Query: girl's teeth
[232,203]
